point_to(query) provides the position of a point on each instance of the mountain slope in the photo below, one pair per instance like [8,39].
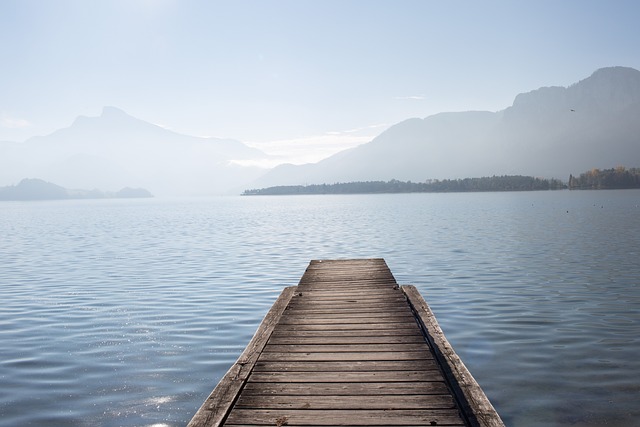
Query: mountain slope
[116,150]
[551,132]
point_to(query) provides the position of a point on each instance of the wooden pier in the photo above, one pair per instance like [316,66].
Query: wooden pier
[348,347]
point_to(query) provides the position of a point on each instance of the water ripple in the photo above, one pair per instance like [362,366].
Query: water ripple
[124,312]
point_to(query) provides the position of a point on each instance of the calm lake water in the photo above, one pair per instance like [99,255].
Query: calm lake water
[128,312]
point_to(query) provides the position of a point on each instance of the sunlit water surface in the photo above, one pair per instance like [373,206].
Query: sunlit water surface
[127,313]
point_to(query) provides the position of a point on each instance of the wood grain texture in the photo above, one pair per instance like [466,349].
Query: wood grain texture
[342,417]
[343,348]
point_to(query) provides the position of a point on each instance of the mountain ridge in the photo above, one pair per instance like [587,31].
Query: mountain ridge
[115,149]
[548,132]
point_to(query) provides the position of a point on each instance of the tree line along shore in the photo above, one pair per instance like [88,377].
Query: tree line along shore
[616,178]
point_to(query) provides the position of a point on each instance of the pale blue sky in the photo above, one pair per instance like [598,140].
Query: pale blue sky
[294,75]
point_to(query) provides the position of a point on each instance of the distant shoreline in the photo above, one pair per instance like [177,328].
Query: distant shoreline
[467,185]
[37,189]
[595,179]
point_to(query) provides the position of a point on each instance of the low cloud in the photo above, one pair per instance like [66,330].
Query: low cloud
[12,122]
[312,149]
[411,97]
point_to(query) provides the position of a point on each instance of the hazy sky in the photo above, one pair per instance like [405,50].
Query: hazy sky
[303,78]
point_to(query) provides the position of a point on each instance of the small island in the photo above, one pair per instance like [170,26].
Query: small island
[37,189]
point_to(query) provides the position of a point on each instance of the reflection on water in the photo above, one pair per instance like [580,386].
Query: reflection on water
[124,312]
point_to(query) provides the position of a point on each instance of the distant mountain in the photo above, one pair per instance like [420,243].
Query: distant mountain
[115,150]
[37,189]
[33,189]
[549,132]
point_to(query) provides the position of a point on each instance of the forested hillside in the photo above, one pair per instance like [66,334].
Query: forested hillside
[619,177]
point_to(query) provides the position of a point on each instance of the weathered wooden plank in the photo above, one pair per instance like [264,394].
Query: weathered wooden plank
[335,311]
[366,302]
[294,332]
[478,405]
[379,300]
[327,339]
[343,310]
[306,297]
[346,269]
[353,273]
[346,309]
[349,294]
[316,425]
[356,275]
[333,320]
[344,356]
[371,417]
[312,425]
[349,318]
[339,348]
[305,425]
[383,402]
[315,263]
[342,285]
[347,377]
[346,285]
[311,281]
[218,404]
[339,264]
[344,313]
[308,304]
[393,302]
[350,326]
[340,290]
[346,389]
[350,366]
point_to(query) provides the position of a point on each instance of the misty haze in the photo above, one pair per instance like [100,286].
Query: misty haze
[488,152]
[550,132]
